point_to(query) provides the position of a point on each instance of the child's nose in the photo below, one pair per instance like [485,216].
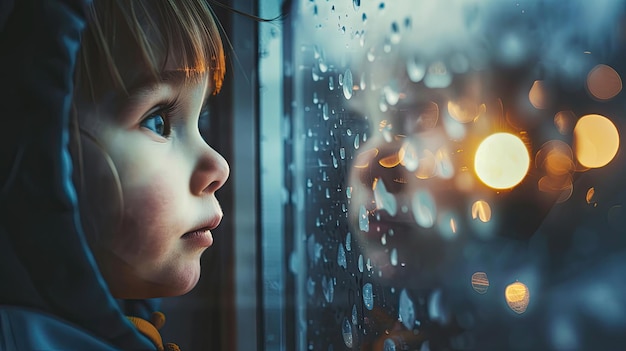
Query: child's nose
[210,173]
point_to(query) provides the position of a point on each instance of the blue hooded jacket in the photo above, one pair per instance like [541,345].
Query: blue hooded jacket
[52,295]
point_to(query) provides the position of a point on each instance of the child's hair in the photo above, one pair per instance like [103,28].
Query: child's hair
[149,32]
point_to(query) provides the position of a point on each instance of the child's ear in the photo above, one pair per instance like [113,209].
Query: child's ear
[99,189]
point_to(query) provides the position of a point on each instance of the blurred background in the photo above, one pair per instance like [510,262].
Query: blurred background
[417,175]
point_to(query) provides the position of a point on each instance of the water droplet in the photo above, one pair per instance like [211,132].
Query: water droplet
[360,263]
[342,153]
[315,75]
[406,311]
[349,132]
[355,316]
[364,17]
[371,55]
[310,286]
[349,192]
[435,307]
[348,242]
[314,249]
[341,256]
[368,296]
[325,114]
[424,210]
[393,257]
[335,162]
[346,331]
[356,142]
[389,345]
[416,70]
[328,288]
[364,220]
[347,84]
[384,199]
[356,4]
[309,183]
[410,158]
[331,83]
[437,76]
[392,96]
[395,33]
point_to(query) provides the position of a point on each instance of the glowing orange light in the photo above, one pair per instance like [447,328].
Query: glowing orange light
[538,95]
[482,211]
[480,282]
[364,158]
[517,297]
[603,82]
[596,141]
[590,197]
[465,110]
[564,121]
[453,225]
[392,160]
[501,161]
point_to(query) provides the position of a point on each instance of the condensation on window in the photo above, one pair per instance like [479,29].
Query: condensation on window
[463,174]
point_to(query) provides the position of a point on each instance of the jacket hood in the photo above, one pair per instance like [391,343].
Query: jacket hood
[45,263]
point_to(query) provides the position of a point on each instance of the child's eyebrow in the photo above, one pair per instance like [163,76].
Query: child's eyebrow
[147,85]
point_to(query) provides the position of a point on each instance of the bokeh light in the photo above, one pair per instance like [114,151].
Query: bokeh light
[482,211]
[538,95]
[465,110]
[596,141]
[517,297]
[501,161]
[603,82]
[480,282]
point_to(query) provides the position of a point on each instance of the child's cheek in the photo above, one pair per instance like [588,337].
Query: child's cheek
[152,221]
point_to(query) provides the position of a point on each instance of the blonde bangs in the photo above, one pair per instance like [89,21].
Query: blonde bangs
[148,33]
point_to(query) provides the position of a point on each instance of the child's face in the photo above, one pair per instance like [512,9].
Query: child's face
[168,176]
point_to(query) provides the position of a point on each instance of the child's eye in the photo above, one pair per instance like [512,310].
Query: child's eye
[157,124]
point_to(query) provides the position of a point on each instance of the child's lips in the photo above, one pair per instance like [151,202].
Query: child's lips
[201,237]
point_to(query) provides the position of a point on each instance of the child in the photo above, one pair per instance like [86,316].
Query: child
[127,82]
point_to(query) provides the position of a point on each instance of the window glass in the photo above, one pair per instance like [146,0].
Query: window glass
[458,174]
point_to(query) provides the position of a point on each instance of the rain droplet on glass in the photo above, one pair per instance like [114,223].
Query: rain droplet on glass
[347,84]
[389,345]
[424,210]
[406,310]
[393,257]
[368,296]
[415,70]
[364,220]
[395,33]
[341,256]
[346,332]
[360,263]
[328,288]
